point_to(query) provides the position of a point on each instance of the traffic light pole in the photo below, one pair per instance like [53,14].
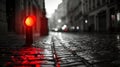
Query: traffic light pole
[29,36]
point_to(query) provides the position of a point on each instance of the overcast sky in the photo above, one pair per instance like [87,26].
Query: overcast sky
[51,5]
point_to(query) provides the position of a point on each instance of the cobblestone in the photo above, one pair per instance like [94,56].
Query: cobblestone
[65,50]
[99,50]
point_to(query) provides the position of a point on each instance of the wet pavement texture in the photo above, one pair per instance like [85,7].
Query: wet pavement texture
[98,50]
[65,50]
[30,56]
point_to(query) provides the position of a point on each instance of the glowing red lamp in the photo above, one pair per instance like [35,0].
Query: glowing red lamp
[30,20]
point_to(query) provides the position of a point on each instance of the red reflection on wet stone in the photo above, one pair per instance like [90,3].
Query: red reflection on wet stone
[7,64]
[38,65]
[27,57]
[58,65]
[57,60]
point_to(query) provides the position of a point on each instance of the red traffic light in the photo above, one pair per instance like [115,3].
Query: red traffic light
[30,20]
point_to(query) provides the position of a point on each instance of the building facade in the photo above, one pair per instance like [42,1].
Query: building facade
[91,15]
[101,15]
[94,15]
[14,12]
[71,13]
[3,22]
[75,12]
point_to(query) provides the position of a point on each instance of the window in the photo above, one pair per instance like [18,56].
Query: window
[103,2]
[89,4]
[111,1]
[98,2]
[93,4]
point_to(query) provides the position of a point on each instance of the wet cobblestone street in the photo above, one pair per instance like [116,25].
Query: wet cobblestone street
[65,50]
[100,50]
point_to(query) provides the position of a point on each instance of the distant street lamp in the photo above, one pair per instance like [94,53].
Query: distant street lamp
[86,21]
[77,27]
[118,16]
[59,20]
[64,27]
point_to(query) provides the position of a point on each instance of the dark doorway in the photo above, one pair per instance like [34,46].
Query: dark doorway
[10,13]
[91,27]
[102,21]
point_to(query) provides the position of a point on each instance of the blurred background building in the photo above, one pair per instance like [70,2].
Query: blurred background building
[102,15]
[69,15]
[74,14]
[89,15]
[59,18]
